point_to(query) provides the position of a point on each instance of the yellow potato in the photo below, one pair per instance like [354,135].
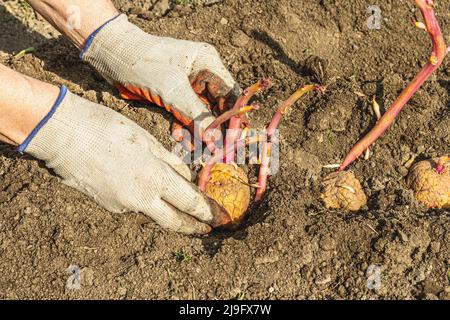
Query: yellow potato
[430,187]
[229,187]
[341,190]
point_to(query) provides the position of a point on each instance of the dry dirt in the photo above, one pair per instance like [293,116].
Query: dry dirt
[291,247]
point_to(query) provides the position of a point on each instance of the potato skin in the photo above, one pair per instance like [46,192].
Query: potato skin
[228,186]
[341,190]
[430,188]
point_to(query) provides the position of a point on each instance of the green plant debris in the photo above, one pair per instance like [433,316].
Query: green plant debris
[24,52]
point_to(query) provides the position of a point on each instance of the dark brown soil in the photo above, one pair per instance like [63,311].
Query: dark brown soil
[291,247]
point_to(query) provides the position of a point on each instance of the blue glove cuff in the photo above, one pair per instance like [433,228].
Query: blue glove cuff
[61,96]
[92,36]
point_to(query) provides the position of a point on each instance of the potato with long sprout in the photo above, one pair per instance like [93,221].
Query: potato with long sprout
[220,177]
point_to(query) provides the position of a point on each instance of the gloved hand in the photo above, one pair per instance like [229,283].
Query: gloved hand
[122,167]
[156,68]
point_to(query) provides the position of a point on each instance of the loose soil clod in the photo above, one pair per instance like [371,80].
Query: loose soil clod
[341,190]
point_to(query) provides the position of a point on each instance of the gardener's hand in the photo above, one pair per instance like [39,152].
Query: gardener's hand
[108,157]
[126,55]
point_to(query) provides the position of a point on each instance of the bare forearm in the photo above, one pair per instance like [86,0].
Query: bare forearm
[24,102]
[75,19]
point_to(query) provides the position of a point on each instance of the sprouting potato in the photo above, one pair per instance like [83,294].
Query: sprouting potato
[228,186]
[226,183]
[341,190]
[430,184]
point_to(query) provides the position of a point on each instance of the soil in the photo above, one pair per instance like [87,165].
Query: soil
[291,247]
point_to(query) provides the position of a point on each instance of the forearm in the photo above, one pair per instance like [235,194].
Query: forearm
[24,102]
[75,19]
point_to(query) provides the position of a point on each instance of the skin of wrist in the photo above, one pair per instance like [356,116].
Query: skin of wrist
[24,102]
[76,19]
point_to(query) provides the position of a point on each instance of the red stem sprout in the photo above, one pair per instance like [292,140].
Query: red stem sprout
[264,170]
[440,50]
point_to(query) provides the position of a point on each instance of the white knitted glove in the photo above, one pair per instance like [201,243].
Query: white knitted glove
[120,165]
[124,54]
